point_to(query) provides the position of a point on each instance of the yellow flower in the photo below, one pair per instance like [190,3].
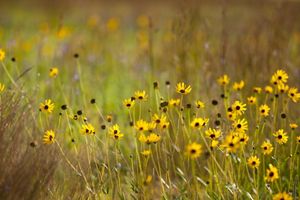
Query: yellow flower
[141,125]
[151,126]
[214,144]
[49,137]
[117,136]
[159,119]
[238,107]
[251,100]
[243,138]
[298,139]
[264,110]
[268,89]
[279,77]
[281,136]
[223,80]
[231,143]
[272,174]
[282,88]
[112,24]
[128,103]
[231,115]
[47,106]
[148,180]
[253,162]
[2,54]
[240,125]
[115,129]
[199,104]
[213,133]
[257,90]
[238,85]
[267,148]
[153,138]
[282,196]
[174,102]
[87,129]
[293,126]
[146,152]
[53,72]
[294,94]
[182,88]
[199,122]
[193,150]
[141,95]
[2,87]
[164,125]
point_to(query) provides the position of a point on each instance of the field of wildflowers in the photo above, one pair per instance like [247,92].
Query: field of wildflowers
[160,101]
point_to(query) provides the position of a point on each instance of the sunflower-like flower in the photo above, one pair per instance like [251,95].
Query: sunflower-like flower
[267,147]
[141,125]
[213,134]
[152,138]
[268,89]
[174,102]
[283,88]
[238,107]
[279,77]
[159,119]
[199,104]
[117,136]
[87,129]
[281,136]
[141,95]
[251,100]
[238,85]
[253,162]
[199,122]
[182,88]
[128,103]
[146,152]
[115,129]
[240,125]
[264,110]
[282,196]
[272,174]
[151,126]
[243,138]
[257,90]
[53,72]
[298,139]
[294,94]
[2,54]
[193,150]
[231,143]
[47,106]
[223,80]
[49,137]
[293,126]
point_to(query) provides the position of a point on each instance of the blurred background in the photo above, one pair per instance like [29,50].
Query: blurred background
[135,43]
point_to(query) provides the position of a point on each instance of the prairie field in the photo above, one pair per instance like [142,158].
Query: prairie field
[181,100]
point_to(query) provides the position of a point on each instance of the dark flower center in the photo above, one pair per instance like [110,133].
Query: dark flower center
[193,151]
[46,107]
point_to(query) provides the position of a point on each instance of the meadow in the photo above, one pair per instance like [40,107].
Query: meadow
[161,100]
